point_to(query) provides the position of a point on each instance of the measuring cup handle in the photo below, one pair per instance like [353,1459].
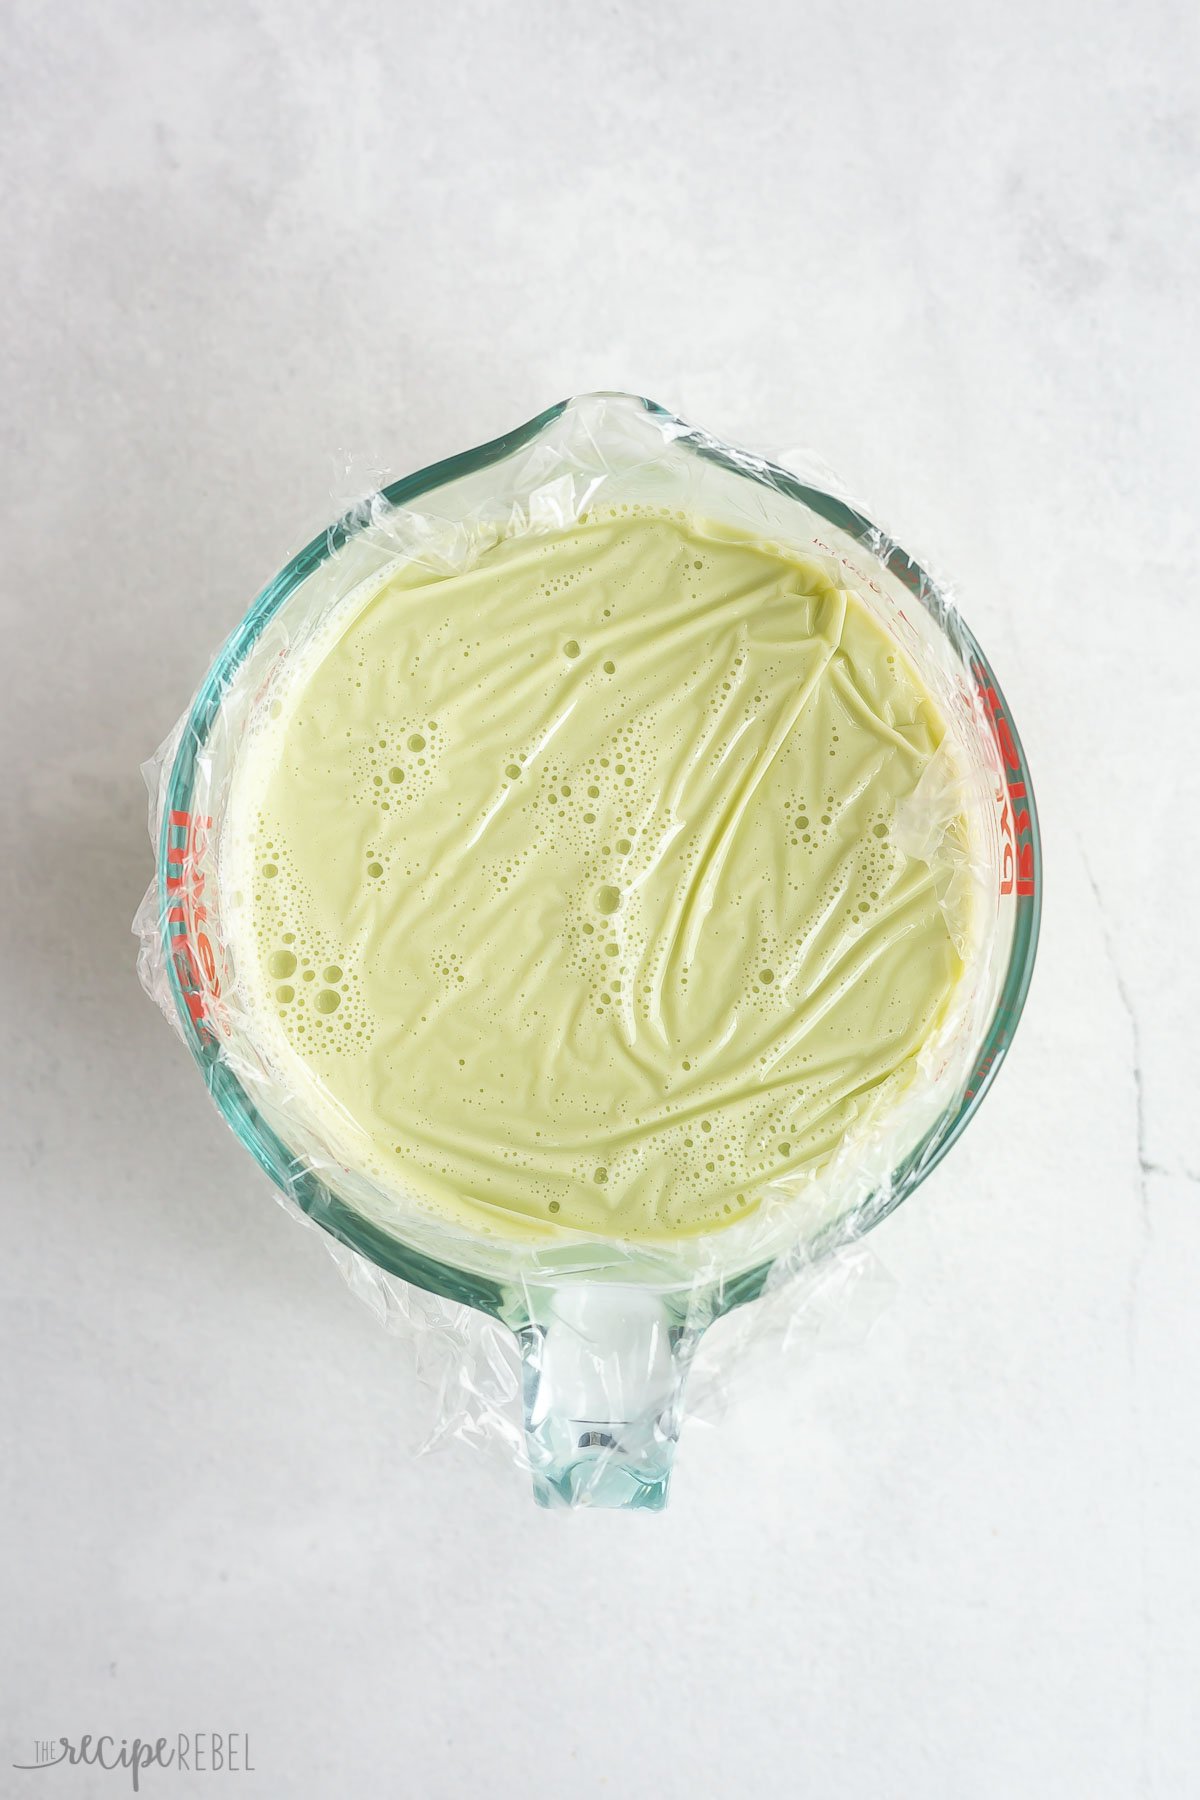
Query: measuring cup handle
[604,1370]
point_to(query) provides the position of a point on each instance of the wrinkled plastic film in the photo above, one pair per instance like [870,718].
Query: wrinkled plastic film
[805,1231]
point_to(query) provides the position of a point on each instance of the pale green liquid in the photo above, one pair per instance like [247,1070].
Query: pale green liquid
[569,891]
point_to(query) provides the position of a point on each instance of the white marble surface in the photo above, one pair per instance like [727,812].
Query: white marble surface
[952,247]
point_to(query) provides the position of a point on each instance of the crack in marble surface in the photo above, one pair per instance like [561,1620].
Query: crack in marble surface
[1157,1168]
[1146,1166]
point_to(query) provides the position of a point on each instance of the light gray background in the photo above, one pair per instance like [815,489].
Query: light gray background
[953,248]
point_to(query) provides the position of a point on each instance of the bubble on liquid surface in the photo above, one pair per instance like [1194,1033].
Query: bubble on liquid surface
[327,1001]
[281,963]
[608,899]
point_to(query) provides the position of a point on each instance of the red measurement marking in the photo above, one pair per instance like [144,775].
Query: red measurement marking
[981,1073]
[191,946]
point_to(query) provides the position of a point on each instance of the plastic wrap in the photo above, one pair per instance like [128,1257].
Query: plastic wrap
[570,1349]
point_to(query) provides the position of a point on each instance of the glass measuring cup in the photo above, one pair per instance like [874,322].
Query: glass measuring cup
[606,1329]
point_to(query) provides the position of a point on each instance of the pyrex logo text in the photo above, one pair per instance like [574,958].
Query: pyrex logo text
[1016,826]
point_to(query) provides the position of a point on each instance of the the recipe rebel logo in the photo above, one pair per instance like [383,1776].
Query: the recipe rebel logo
[193,1753]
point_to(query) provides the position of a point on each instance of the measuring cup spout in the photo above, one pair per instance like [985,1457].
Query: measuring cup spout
[604,1371]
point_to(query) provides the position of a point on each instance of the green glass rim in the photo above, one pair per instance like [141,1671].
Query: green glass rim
[301,1183]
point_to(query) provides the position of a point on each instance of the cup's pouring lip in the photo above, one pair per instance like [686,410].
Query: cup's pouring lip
[305,1186]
